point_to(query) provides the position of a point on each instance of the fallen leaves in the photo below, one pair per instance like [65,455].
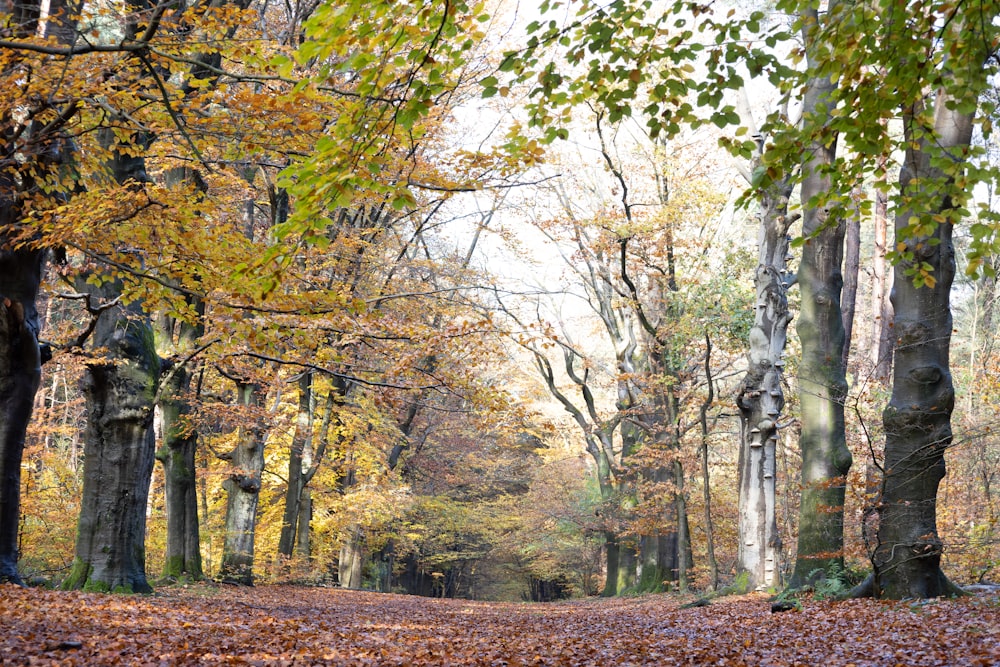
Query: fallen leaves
[284,625]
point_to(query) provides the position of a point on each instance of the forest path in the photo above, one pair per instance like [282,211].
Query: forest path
[289,625]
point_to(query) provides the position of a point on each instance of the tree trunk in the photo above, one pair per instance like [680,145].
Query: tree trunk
[822,378]
[119,387]
[27,155]
[822,391]
[882,317]
[761,399]
[917,421]
[243,492]
[179,446]
[713,565]
[118,453]
[852,265]
[303,542]
[611,552]
[299,461]
[20,374]
[627,566]
[683,530]
[177,454]
[349,571]
[651,575]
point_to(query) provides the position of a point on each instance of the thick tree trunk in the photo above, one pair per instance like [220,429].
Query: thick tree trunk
[627,566]
[303,541]
[826,459]
[20,374]
[243,492]
[917,421]
[659,561]
[118,453]
[26,155]
[178,339]
[761,398]
[180,443]
[119,387]
[651,575]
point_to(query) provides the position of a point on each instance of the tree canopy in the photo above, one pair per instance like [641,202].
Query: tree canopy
[447,299]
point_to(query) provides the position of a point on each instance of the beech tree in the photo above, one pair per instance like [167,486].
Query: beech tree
[34,152]
[826,459]
[120,384]
[760,397]
[853,111]
[179,442]
[939,113]
[271,204]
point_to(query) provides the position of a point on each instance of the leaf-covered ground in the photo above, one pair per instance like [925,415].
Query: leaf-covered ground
[284,625]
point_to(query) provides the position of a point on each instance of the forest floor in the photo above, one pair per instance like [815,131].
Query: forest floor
[288,625]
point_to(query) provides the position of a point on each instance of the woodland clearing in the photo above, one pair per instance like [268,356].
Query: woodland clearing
[287,625]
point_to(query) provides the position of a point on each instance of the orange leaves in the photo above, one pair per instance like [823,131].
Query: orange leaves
[285,625]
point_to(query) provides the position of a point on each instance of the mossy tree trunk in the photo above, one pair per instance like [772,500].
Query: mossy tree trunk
[177,454]
[179,443]
[826,459]
[119,388]
[178,340]
[611,552]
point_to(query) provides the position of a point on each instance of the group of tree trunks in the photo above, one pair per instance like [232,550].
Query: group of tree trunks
[126,380]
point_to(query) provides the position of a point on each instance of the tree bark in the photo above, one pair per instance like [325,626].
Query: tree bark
[917,421]
[179,447]
[627,566]
[119,444]
[243,491]
[20,375]
[23,156]
[299,461]
[713,565]
[826,459]
[177,454]
[119,387]
[882,316]
[760,398]
[611,551]
[852,266]
[351,561]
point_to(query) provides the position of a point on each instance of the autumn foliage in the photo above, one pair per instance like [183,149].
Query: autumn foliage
[419,348]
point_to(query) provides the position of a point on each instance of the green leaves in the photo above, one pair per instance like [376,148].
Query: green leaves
[387,67]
